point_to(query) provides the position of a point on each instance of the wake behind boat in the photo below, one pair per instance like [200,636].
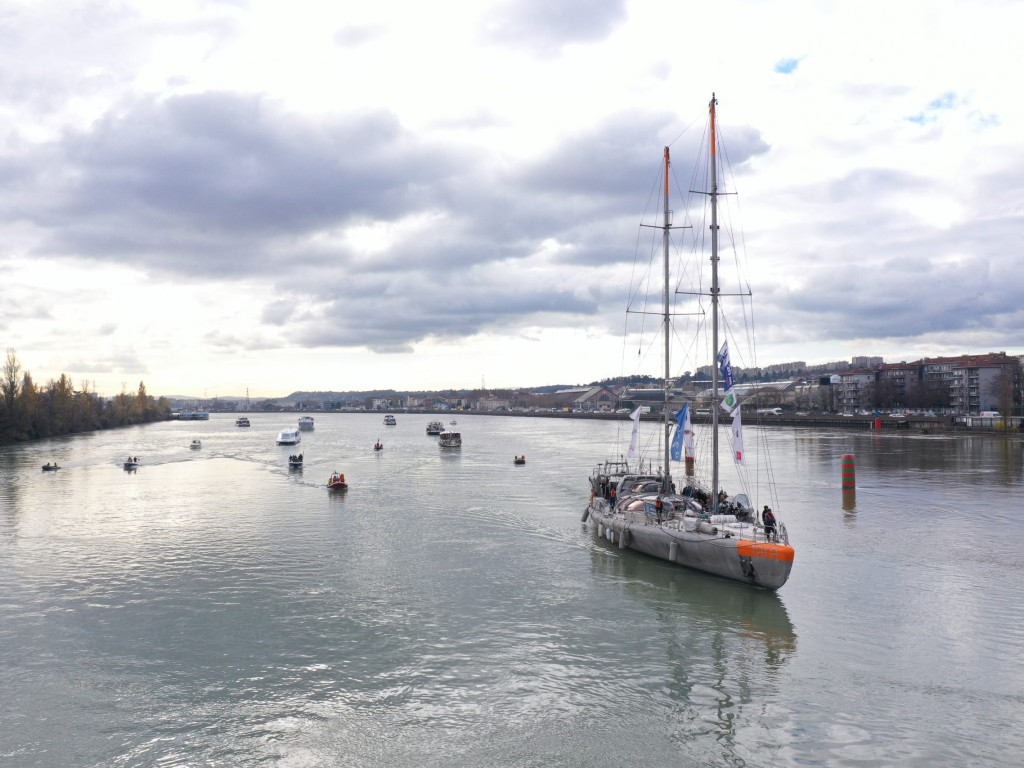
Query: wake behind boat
[635,506]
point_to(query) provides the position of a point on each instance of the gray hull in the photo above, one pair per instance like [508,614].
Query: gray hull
[757,563]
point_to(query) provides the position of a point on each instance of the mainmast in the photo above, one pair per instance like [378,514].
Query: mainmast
[667,479]
[714,312]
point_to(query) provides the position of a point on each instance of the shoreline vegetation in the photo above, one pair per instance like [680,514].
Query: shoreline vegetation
[30,412]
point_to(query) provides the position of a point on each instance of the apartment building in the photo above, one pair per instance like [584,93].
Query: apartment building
[854,390]
[964,384]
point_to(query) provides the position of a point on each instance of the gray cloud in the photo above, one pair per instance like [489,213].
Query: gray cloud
[545,27]
[225,185]
[233,186]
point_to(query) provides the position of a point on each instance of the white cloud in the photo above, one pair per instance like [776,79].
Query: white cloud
[224,195]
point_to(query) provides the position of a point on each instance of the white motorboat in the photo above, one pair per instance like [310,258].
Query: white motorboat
[196,444]
[449,439]
[305,422]
[390,421]
[288,436]
[435,428]
[242,421]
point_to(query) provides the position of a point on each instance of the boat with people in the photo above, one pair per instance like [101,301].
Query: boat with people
[196,444]
[337,482]
[305,422]
[288,436]
[698,525]
[242,421]
[449,439]
[390,421]
[378,446]
[295,461]
[519,460]
[48,467]
[132,463]
[435,428]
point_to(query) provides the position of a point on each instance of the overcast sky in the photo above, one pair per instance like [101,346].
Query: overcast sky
[218,196]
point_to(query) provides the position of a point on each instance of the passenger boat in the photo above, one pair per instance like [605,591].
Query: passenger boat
[196,444]
[449,439]
[638,507]
[305,422]
[337,482]
[242,421]
[390,421]
[295,461]
[48,467]
[435,428]
[288,436]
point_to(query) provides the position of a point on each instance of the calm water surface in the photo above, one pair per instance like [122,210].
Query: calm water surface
[215,608]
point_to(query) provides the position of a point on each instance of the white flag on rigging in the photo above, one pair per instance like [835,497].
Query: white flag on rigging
[635,416]
[737,436]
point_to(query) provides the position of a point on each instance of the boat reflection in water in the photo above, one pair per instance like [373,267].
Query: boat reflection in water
[706,609]
[714,648]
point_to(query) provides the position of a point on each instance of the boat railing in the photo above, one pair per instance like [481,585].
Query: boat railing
[783,534]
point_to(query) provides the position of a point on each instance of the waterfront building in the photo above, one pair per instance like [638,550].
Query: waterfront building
[595,399]
[855,390]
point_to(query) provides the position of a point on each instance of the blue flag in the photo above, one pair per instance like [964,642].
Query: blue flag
[683,436]
[726,368]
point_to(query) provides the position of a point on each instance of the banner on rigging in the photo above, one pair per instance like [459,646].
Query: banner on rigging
[729,401]
[737,436]
[635,416]
[683,436]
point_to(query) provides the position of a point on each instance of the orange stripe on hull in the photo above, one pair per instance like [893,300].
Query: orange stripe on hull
[766,551]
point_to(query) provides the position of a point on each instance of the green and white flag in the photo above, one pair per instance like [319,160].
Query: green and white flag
[729,402]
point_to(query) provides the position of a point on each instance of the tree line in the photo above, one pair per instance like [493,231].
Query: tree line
[29,411]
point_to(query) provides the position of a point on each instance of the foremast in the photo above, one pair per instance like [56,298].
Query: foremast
[666,333]
[714,310]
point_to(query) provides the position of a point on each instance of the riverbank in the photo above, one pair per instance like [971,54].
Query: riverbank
[920,424]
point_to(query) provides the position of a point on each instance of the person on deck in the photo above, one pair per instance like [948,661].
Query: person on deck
[769,523]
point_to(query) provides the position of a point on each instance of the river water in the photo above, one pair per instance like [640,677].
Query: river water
[214,608]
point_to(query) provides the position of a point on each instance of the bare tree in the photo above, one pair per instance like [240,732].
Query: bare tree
[9,380]
[1002,390]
